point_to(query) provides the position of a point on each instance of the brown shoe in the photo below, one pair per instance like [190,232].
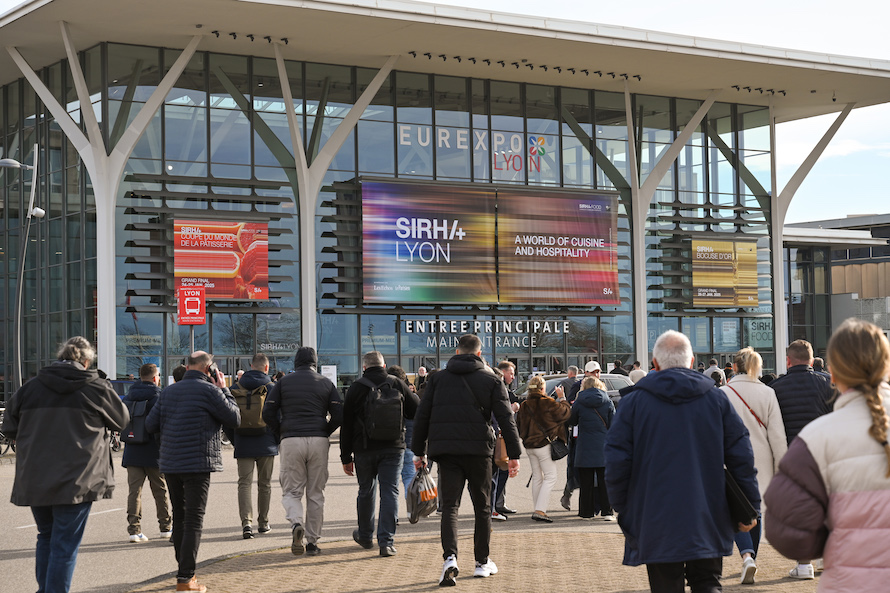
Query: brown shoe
[541,516]
[191,585]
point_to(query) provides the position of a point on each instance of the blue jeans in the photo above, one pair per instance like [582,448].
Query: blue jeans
[749,542]
[375,467]
[59,531]
[408,470]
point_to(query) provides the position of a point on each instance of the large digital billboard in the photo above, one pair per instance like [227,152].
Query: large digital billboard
[557,248]
[229,259]
[425,243]
[724,273]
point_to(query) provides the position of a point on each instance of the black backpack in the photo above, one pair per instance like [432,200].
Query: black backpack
[384,411]
[135,433]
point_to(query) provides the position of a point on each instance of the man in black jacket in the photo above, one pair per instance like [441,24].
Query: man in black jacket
[141,461]
[452,427]
[375,461]
[303,409]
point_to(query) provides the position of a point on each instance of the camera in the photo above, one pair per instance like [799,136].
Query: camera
[214,371]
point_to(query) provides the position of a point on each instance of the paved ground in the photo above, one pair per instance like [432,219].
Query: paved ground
[587,558]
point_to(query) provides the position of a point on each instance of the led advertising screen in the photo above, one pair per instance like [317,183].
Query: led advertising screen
[427,244]
[724,273]
[229,259]
[557,248]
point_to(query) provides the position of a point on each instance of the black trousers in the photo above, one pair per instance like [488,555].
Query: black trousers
[188,497]
[594,497]
[475,472]
[703,576]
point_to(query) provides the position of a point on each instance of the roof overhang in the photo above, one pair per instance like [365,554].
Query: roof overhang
[834,238]
[364,32]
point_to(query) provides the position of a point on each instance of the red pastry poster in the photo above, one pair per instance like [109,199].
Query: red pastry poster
[229,259]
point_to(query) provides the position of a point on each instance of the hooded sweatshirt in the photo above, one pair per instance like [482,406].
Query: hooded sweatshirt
[61,422]
[665,453]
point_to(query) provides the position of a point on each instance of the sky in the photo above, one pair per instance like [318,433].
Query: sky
[847,179]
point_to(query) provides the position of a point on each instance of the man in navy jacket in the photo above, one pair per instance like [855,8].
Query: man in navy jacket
[669,441]
[189,415]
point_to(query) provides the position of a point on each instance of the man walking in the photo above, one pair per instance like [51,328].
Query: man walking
[189,415]
[708,372]
[637,373]
[570,380]
[61,422]
[669,440]
[499,508]
[304,408]
[803,396]
[372,447]
[452,427]
[141,460]
[254,448]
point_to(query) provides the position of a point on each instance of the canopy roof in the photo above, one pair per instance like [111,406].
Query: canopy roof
[364,32]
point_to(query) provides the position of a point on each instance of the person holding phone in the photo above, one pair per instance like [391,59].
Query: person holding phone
[189,415]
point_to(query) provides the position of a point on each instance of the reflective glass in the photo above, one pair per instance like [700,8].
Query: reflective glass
[379,333]
[381,107]
[413,100]
[233,332]
[186,134]
[506,106]
[452,108]
[453,153]
[697,329]
[375,147]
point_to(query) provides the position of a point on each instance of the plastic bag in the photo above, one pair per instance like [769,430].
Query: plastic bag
[422,496]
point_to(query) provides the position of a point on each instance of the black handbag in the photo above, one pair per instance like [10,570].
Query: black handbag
[740,508]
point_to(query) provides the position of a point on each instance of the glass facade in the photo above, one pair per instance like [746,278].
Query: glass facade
[219,147]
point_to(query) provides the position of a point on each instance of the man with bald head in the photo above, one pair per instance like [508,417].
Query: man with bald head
[669,441]
[189,415]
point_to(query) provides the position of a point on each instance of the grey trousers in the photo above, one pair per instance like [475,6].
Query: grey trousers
[264,467]
[304,472]
[136,478]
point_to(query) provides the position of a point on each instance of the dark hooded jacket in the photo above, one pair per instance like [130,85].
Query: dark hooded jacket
[592,413]
[665,452]
[142,454]
[189,415]
[803,396]
[304,403]
[61,422]
[253,446]
[452,421]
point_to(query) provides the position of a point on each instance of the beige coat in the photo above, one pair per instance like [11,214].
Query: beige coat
[768,441]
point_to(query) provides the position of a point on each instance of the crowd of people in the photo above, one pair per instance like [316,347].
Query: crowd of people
[808,450]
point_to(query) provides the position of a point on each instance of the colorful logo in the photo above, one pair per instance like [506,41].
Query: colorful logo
[537,145]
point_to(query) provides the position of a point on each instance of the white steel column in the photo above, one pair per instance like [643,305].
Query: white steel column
[309,183]
[105,171]
[779,204]
[642,198]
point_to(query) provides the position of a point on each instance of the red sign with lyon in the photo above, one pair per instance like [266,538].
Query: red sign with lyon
[192,305]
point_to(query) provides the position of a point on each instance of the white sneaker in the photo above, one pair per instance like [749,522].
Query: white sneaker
[609,518]
[486,569]
[138,538]
[166,534]
[496,516]
[802,571]
[449,572]
[749,569]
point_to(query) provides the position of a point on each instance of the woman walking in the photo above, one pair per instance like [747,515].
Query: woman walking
[540,420]
[831,496]
[592,414]
[757,406]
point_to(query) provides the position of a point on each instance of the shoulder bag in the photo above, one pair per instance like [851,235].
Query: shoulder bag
[759,421]
[558,447]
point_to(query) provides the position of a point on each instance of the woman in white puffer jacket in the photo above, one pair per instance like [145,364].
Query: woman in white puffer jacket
[757,406]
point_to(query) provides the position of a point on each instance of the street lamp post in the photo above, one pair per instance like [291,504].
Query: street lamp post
[37,213]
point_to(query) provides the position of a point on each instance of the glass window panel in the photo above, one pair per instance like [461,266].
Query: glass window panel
[191,88]
[348,368]
[413,100]
[754,128]
[616,152]
[452,108]
[727,335]
[278,334]
[265,149]
[506,106]
[379,333]
[228,81]
[686,109]
[266,86]
[140,334]
[75,286]
[375,147]
[178,339]
[479,100]
[229,137]
[657,326]
[331,85]
[453,153]
[542,159]
[56,289]
[691,169]
[92,73]
[232,333]
[758,163]
[541,111]
[577,164]
[149,145]
[509,155]
[610,116]
[418,337]
[653,119]
[698,330]
[617,335]
[338,334]
[186,133]
[416,155]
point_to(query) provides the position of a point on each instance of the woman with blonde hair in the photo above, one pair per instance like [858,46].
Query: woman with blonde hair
[831,497]
[540,420]
[757,406]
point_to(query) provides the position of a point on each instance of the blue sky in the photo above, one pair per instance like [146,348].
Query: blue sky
[847,179]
